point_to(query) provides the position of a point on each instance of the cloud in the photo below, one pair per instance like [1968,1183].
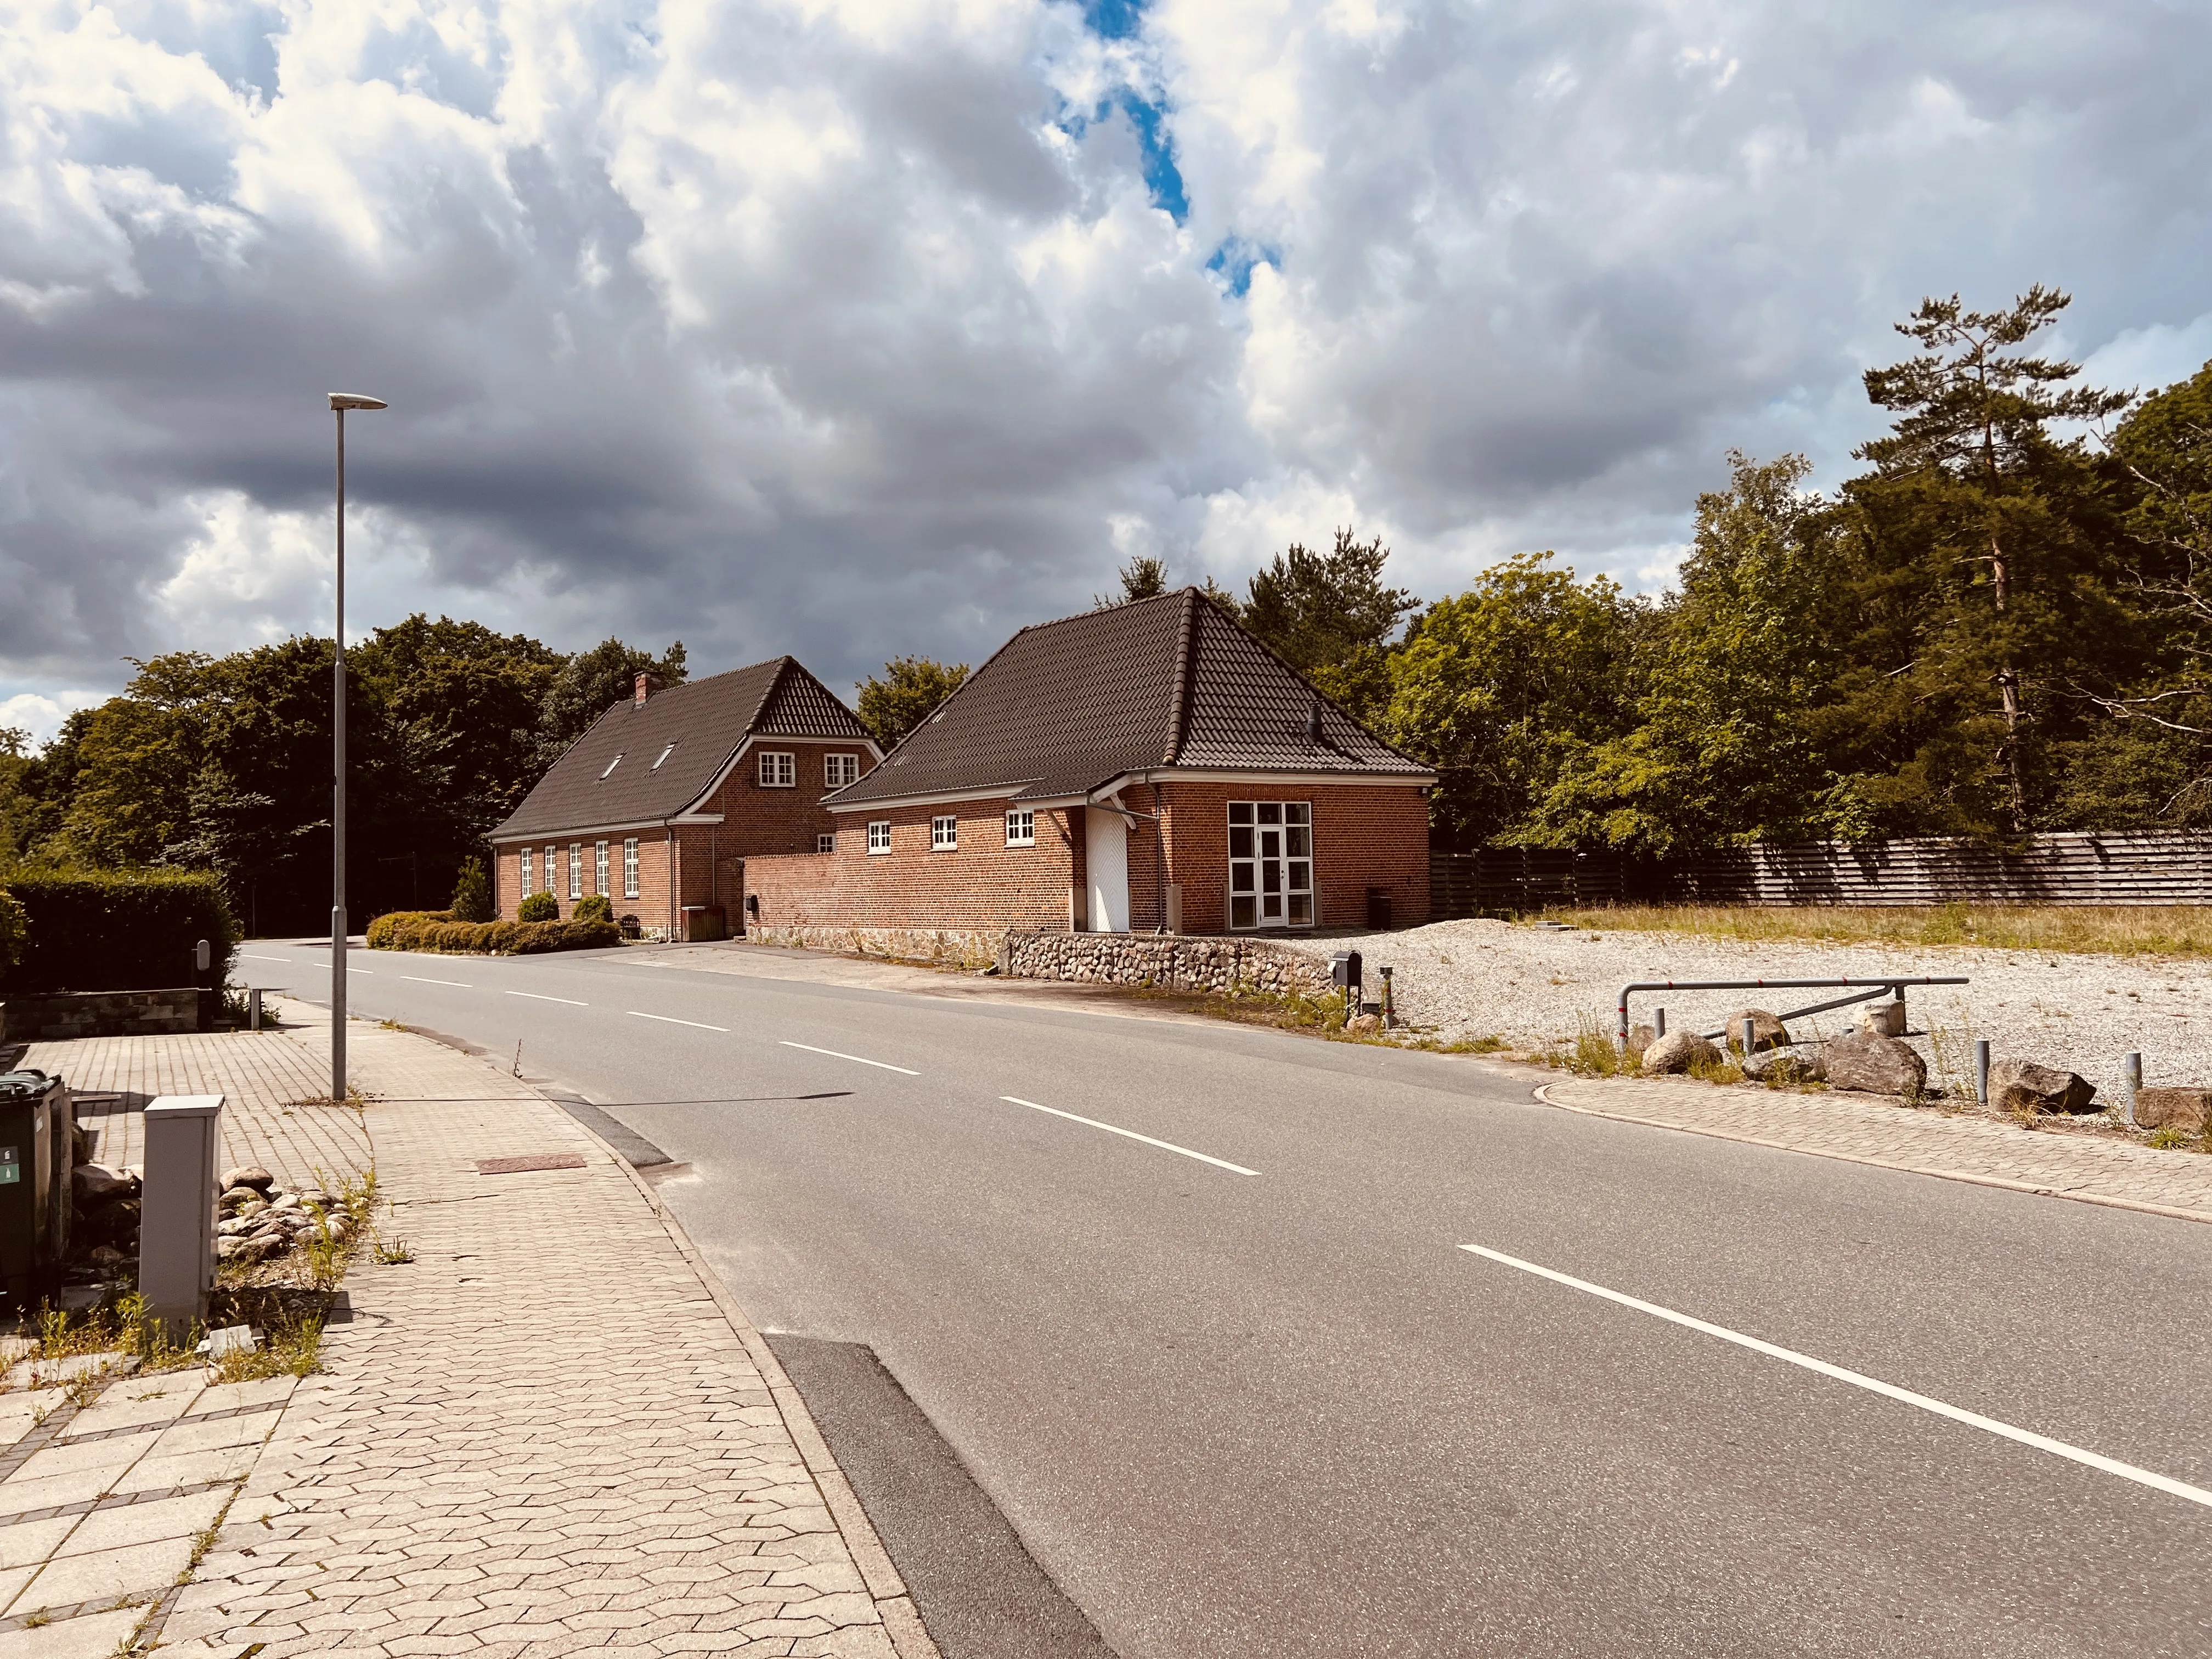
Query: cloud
[851,327]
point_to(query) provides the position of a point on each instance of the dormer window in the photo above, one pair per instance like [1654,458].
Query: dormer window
[611,765]
[665,754]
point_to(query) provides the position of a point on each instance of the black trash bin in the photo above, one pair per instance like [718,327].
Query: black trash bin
[38,1135]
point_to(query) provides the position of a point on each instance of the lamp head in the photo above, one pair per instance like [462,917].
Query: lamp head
[342,401]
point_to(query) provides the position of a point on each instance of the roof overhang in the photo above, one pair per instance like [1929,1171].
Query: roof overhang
[1261,775]
[935,797]
[532,837]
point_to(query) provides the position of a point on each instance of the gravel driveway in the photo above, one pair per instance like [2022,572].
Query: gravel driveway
[1535,986]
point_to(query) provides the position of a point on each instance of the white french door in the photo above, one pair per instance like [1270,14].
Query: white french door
[1270,864]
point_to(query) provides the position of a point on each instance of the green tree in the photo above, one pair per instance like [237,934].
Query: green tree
[1143,578]
[1503,687]
[1329,615]
[1729,745]
[906,694]
[473,900]
[589,683]
[1986,608]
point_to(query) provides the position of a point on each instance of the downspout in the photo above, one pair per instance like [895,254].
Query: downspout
[1159,859]
[672,939]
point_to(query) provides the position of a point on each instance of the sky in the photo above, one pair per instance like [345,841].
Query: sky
[856,328]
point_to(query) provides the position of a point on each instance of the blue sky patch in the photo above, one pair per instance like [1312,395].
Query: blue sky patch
[1114,20]
[1234,259]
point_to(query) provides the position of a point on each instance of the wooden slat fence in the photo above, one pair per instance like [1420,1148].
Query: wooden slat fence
[2158,867]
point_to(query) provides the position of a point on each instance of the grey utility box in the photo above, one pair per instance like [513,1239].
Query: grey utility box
[37,1138]
[176,1212]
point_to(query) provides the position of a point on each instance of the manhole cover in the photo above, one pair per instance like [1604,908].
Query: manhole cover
[541,1160]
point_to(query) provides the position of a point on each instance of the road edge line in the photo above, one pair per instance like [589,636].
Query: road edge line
[2107,1201]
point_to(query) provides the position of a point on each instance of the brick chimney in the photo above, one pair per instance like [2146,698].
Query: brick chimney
[647,685]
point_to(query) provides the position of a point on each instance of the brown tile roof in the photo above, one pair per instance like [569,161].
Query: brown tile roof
[705,720]
[1174,680]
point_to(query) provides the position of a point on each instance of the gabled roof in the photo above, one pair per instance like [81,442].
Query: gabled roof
[1067,706]
[706,721]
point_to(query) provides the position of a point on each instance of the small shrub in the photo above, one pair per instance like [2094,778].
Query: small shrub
[594,907]
[472,899]
[539,907]
[2171,1139]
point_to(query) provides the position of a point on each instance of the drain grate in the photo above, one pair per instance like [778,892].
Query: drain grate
[540,1161]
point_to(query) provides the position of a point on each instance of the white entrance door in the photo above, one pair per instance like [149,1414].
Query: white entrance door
[1106,862]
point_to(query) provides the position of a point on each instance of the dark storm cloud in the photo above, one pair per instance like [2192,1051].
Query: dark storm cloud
[850,329]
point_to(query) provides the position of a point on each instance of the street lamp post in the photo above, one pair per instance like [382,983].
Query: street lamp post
[340,403]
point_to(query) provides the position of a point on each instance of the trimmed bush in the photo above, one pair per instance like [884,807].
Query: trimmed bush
[472,894]
[539,907]
[595,907]
[15,931]
[436,930]
[121,930]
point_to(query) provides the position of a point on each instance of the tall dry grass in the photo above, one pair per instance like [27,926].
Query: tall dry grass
[2178,930]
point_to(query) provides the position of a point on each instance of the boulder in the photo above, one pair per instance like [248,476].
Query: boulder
[2022,1086]
[1766,1031]
[1641,1037]
[1786,1066]
[1884,1020]
[1677,1052]
[115,1222]
[1365,1025]
[251,1175]
[2178,1108]
[94,1184]
[1875,1064]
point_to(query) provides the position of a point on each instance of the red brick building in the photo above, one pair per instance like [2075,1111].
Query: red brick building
[1148,766]
[660,803]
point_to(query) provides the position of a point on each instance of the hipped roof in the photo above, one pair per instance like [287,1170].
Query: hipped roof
[707,721]
[1066,707]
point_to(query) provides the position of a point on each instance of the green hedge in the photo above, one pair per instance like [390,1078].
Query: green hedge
[436,930]
[127,930]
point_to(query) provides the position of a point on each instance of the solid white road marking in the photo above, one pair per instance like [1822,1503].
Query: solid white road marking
[883,1065]
[419,980]
[534,997]
[667,1019]
[1858,1380]
[1164,1146]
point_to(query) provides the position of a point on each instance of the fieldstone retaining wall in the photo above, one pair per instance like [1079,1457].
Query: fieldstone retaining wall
[1176,962]
[971,947]
[63,1015]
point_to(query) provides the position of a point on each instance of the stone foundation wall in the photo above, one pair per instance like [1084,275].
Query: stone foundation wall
[1174,962]
[962,947]
[99,1013]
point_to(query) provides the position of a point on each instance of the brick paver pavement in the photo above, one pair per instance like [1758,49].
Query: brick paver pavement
[548,1433]
[1867,1129]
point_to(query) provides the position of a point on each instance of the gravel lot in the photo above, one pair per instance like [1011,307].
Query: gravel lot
[1534,986]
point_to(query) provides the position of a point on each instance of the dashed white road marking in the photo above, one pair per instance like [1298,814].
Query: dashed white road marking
[1859,1380]
[419,980]
[250,957]
[1112,1129]
[535,997]
[858,1059]
[670,1020]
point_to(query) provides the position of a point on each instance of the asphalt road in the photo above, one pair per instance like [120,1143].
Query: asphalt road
[1269,1405]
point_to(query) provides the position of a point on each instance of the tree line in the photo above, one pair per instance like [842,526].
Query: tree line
[1999,626]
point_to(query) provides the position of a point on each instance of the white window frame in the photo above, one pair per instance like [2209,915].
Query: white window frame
[629,869]
[529,869]
[944,835]
[1249,875]
[777,768]
[880,836]
[838,770]
[599,869]
[665,754]
[575,870]
[552,869]
[1021,827]
[826,842]
[611,765]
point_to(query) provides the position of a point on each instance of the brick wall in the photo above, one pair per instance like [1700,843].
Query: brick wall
[1363,837]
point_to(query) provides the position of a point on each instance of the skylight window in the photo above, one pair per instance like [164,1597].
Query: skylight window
[611,765]
[665,754]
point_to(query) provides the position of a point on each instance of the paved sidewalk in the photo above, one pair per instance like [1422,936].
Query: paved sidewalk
[1865,1129]
[547,1433]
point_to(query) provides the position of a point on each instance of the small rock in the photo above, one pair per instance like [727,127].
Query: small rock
[107,1258]
[252,1175]
[1365,1025]
[236,1227]
[1641,1037]
[1876,1064]
[2022,1086]
[115,1222]
[260,1247]
[1786,1066]
[1677,1052]
[93,1184]
[1766,1031]
[1884,1020]
[236,1196]
[2178,1108]
[287,1201]
[227,1248]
